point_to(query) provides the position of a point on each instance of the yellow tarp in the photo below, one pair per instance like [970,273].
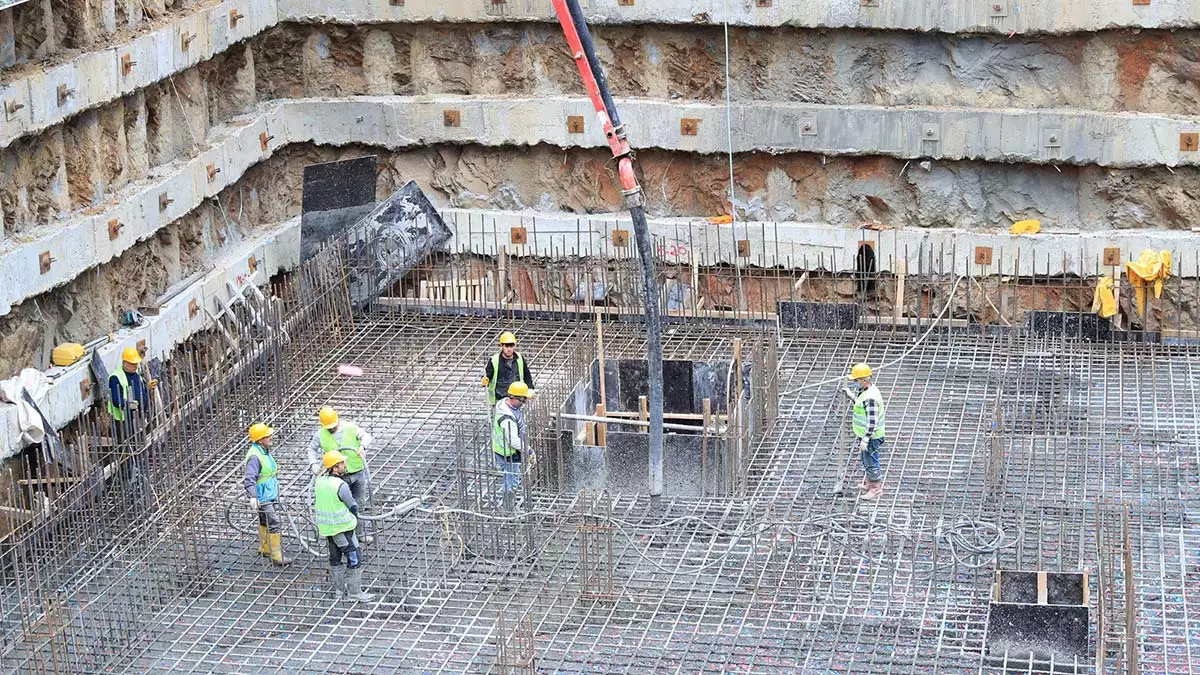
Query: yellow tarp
[66,354]
[721,220]
[1104,302]
[1026,227]
[1151,266]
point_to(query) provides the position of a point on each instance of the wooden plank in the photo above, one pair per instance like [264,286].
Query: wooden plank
[644,412]
[996,589]
[666,416]
[1043,593]
[600,357]
[589,433]
[901,277]
[601,427]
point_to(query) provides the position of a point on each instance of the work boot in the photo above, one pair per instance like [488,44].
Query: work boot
[874,489]
[339,581]
[354,589]
[264,546]
[277,550]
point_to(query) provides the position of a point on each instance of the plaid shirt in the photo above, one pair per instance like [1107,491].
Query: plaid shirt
[872,416]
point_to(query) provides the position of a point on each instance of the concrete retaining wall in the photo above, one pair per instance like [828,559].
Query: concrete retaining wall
[276,251]
[813,246]
[394,122]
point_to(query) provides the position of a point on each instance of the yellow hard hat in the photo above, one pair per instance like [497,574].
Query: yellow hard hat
[329,417]
[332,459]
[507,338]
[131,355]
[259,431]
[859,371]
[519,389]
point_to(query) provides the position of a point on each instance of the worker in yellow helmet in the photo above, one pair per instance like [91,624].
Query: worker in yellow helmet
[262,487]
[868,425]
[349,439]
[337,518]
[508,439]
[128,395]
[505,367]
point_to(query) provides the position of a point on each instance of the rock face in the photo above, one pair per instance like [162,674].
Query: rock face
[86,161]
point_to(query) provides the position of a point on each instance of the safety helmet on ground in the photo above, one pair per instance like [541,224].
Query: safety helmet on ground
[329,417]
[131,355]
[859,371]
[507,338]
[259,431]
[332,459]
[518,389]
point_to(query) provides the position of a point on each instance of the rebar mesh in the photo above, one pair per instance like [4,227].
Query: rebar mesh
[1086,455]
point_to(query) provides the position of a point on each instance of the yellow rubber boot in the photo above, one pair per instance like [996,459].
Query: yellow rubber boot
[264,546]
[277,550]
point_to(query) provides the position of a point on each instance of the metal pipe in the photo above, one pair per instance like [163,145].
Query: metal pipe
[579,39]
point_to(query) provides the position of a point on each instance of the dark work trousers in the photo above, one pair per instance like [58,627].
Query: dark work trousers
[268,516]
[344,543]
[360,487]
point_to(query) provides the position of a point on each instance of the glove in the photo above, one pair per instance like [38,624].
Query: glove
[862,444]
[133,405]
[849,393]
[317,469]
[483,381]
[253,503]
[153,384]
[532,393]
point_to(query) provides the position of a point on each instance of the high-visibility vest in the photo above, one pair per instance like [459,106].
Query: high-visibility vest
[499,444]
[496,376]
[268,484]
[333,516]
[346,442]
[117,412]
[860,412]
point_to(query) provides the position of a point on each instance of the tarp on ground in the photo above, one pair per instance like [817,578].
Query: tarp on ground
[390,241]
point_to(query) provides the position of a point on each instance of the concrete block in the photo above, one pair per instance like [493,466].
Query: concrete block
[152,58]
[129,215]
[17,110]
[263,15]
[198,30]
[217,18]
[44,94]
[108,16]
[99,76]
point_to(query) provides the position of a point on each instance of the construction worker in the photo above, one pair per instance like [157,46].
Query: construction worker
[505,367]
[337,518]
[868,425]
[508,430]
[262,487]
[128,395]
[352,442]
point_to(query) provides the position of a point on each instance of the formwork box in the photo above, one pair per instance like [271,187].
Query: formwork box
[1038,616]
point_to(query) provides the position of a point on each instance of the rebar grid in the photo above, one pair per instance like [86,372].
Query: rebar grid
[1008,430]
